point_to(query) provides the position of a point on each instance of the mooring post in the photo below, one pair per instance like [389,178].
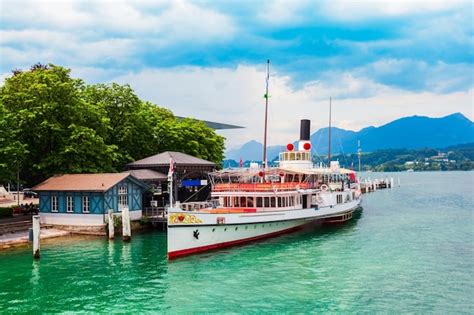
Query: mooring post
[111,224]
[126,231]
[36,236]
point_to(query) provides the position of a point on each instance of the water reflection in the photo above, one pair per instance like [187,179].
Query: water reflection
[126,255]
[111,252]
[35,273]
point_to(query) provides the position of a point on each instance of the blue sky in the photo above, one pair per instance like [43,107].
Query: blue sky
[379,60]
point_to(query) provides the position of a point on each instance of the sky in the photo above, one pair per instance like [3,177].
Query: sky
[378,60]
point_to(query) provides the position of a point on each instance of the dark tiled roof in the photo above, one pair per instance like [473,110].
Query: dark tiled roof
[81,182]
[163,159]
[146,174]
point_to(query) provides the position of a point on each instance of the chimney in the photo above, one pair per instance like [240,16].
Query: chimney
[305,129]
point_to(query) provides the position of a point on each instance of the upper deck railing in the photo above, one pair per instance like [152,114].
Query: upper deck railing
[261,187]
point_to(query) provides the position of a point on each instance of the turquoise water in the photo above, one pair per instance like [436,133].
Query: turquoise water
[409,250]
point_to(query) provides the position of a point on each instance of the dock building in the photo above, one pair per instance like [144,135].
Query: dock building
[84,199]
[190,176]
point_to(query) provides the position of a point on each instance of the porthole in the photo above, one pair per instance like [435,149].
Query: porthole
[236,228]
[246,227]
[213,230]
[225,229]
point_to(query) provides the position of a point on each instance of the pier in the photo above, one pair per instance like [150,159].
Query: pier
[156,215]
[368,185]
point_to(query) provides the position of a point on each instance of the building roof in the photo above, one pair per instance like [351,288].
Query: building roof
[83,182]
[163,159]
[147,175]
[215,125]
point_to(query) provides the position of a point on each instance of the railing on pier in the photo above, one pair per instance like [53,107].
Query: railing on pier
[155,214]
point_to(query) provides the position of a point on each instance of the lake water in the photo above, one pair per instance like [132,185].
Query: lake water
[411,249]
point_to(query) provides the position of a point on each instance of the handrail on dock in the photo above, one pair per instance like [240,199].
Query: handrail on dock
[155,213]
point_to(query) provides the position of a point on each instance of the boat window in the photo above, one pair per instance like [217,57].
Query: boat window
[292,156]
[259,202]
[243,202]
[266,202]
[279,202]
[236,202]
[272,202]
[249,201]
[226,201]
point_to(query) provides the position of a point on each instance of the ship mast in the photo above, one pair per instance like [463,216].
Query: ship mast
[329,135]
[359,152]
[264,160]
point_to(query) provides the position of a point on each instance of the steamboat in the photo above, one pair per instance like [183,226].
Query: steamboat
[259,202]
[253,203]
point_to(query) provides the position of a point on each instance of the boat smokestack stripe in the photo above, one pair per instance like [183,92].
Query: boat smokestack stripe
[305,129]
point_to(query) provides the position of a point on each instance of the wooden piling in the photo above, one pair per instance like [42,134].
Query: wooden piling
[110,215]
[36,237]
[126,231]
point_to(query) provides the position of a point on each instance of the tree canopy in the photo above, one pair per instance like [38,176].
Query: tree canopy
[51,124]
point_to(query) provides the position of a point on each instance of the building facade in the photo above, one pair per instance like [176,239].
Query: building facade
[84,199]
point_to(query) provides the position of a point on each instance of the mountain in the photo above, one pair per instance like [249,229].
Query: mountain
[408,132]
[253,151]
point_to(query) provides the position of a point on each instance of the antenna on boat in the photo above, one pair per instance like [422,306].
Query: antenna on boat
[359,152]
[264,161]
[329,134]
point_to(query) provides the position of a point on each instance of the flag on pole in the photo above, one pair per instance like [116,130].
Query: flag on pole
[171,169]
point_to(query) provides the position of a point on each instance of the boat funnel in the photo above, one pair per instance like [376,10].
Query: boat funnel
[305,143]
[305,129]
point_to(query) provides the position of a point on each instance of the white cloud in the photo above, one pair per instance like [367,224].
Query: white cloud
[281,12]
[235,96]
[115,33]
[170,20]
[361,10]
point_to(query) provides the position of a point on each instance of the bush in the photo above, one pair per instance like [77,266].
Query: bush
[6,212]
[144,220]
[117,221]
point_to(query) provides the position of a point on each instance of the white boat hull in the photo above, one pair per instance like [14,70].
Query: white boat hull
[193,232]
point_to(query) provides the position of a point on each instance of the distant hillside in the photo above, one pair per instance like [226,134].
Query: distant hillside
[253,151]
[404,133]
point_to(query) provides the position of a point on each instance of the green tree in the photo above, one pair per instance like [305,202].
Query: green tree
[54,123]
[131,122]
[51,123]
[141,129]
